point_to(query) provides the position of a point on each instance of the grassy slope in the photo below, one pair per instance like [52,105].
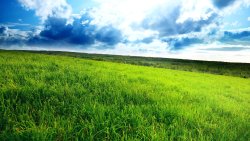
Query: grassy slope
[221,68]
[45,97]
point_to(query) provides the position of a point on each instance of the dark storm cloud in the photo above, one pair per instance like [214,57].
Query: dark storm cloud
[222,3]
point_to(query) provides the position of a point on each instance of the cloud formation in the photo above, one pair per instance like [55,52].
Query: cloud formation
[182,42]
[10,37]
[223,3]
[3,30]
[80,32]
[48,8]
[152,26]
[168,25]
[236,37]
[58,32]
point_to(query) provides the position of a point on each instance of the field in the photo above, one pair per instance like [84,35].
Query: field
[221,68]
[54,96]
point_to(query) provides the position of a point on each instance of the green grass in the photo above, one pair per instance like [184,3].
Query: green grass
[48,97]
[221,68]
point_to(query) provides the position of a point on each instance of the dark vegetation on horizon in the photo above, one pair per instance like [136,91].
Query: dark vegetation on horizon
[213,67]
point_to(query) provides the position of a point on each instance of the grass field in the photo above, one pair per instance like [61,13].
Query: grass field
[51,97]
[221,68]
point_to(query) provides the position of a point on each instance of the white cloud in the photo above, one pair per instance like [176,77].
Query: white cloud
[197,52]
[14,34]
[45,8]
[195,10]
[128,15]
[234,7]
[248,19]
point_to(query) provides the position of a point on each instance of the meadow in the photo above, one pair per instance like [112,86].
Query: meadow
[46,96]
[212,67]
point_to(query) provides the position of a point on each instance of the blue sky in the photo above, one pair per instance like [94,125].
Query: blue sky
[190,29]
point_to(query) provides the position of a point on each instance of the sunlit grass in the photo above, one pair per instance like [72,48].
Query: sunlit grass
[45,97]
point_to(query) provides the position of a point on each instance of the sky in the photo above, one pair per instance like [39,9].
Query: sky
[214,30]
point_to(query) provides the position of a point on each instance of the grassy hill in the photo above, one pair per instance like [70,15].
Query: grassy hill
[57,97]
[213,67]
